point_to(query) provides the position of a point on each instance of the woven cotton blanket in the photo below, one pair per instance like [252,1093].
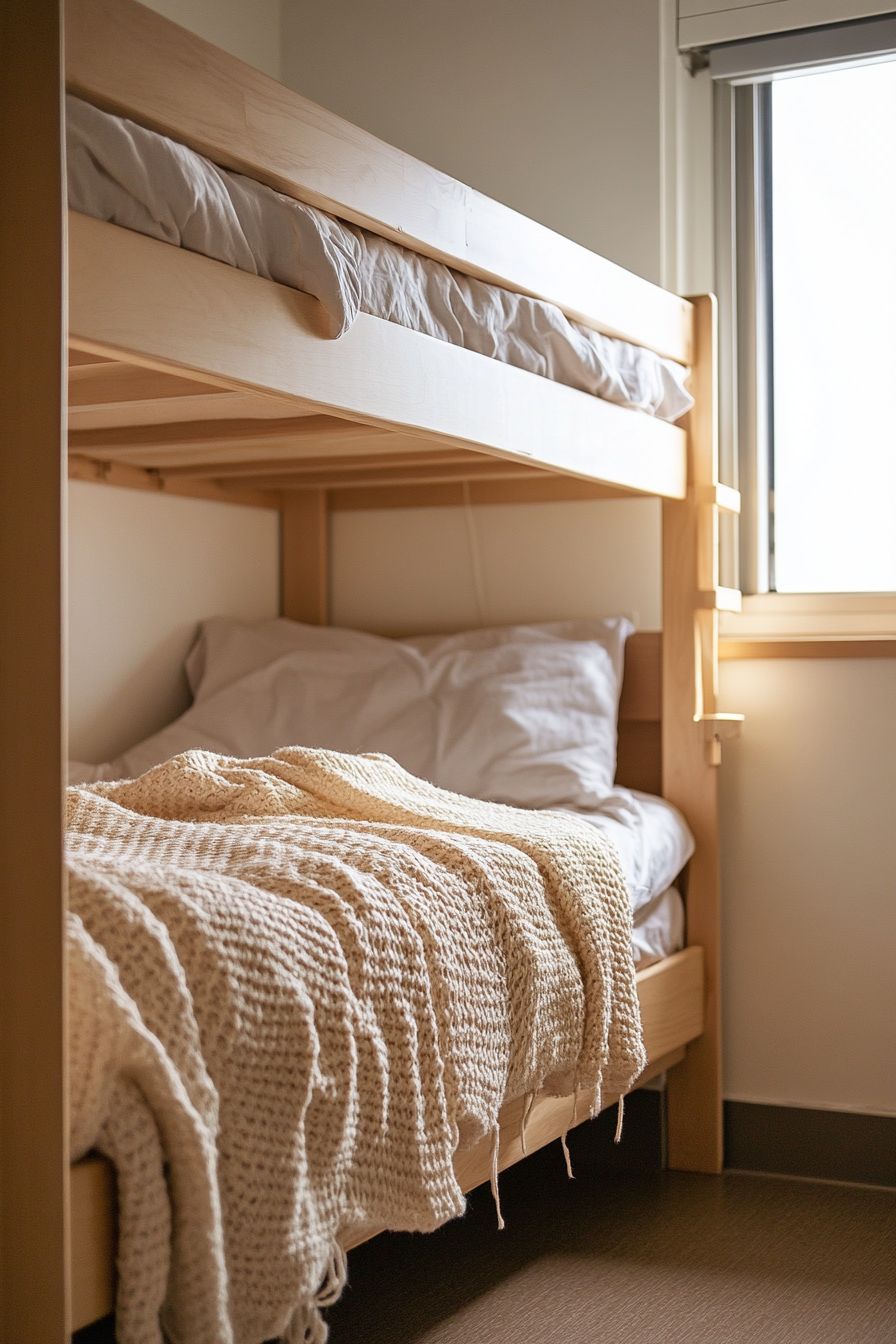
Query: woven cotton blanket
[298,985]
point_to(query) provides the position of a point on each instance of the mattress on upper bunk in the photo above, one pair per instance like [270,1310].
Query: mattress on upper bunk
[125,174]
[524,715]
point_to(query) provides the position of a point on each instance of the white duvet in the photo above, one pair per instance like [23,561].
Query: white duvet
[121,172]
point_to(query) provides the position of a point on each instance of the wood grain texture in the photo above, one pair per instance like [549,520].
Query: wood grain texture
[842,647]
[304,557]
[639,755]
[130,60]
[348,466]
[641,696]
[159,305]
[306,434]
[689,780]
[108,384]
[639,729]
[33,1114]
[672,1004]
[99,472]
[93,1234]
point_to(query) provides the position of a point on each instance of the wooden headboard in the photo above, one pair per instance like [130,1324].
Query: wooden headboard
[639,757]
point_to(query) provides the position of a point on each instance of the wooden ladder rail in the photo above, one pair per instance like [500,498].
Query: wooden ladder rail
[692,731]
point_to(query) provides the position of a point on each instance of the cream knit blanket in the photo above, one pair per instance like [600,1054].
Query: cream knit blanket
[298,985]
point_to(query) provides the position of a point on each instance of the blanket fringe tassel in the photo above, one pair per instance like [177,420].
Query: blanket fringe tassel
[337,1273]
[572,1125]
[496,1140]
[620,1114]
[527,1109]
[307,1326]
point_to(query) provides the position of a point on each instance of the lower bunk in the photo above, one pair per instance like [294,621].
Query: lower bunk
[600,1024]
[671,998]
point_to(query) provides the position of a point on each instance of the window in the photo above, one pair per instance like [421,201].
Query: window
[812,368]
[832,254]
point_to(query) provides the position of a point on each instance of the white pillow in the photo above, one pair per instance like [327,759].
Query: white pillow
[518,714]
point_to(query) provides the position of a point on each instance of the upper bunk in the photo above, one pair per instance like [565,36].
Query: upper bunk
[197,377]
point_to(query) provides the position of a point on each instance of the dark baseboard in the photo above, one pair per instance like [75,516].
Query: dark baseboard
[826,1145]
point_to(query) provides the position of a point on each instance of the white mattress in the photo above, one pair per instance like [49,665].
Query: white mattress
[121,172]
[654,843]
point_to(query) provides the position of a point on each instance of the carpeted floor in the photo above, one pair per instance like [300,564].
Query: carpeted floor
[669,1258]
[651,1258]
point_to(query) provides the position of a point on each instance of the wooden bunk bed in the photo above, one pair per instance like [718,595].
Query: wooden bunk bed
[189,377]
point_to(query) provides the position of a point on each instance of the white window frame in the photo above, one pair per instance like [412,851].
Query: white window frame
[741,74]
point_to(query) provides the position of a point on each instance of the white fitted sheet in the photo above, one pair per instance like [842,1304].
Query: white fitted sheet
[121,172]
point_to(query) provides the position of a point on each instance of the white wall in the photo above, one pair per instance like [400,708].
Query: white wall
[143,570]
[428,570]
[249,29]
[552,108]
[809,861]
[808,841]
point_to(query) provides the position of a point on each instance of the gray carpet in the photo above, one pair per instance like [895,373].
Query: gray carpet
[669,1258]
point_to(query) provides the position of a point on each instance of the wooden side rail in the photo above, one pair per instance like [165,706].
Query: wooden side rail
[130,60]
[137,299]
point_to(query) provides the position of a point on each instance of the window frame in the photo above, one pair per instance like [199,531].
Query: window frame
[742,74]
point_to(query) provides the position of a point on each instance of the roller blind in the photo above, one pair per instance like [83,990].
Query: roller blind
[705,23]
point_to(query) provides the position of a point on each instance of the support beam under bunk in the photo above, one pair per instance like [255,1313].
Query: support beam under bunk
[146,303]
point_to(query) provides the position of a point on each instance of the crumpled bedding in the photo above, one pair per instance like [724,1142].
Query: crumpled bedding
[297,985]
[121,172]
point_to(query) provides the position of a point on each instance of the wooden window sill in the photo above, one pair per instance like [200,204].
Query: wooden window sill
[810,625]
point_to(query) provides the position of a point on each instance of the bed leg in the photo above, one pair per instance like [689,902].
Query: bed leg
[690,773]
[304,566]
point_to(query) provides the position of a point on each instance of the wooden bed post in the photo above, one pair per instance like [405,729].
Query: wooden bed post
[33,1096]
[304,557]
[692,732]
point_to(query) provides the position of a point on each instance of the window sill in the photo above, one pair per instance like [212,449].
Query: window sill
[810,625]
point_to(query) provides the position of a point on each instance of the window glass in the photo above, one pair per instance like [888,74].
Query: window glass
[833,140]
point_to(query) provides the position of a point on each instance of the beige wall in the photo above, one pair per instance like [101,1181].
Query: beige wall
[809,861]
[422,570]
[249,29]
[552,108]
[143,570]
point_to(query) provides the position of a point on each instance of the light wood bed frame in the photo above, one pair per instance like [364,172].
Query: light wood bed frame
[192,378]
